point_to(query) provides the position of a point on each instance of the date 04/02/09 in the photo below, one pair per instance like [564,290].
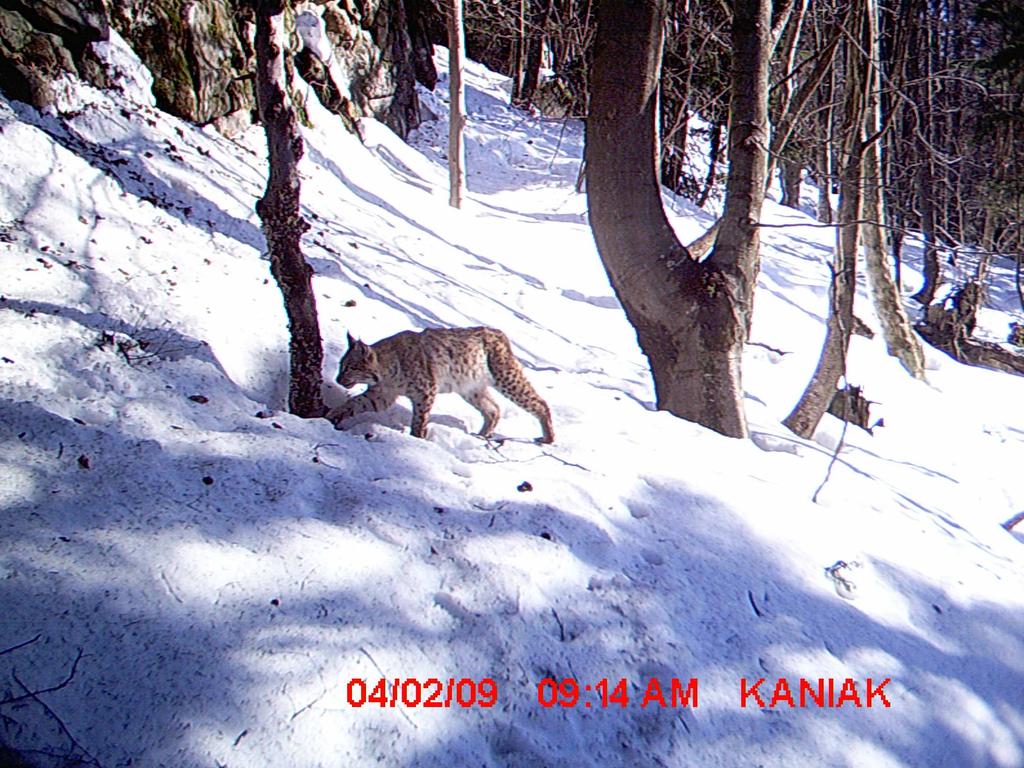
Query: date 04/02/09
[605,693]
[432,693]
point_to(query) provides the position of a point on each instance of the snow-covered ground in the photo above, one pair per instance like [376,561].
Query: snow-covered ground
[200,576]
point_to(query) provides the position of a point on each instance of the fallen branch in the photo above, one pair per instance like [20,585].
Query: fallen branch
[939,331]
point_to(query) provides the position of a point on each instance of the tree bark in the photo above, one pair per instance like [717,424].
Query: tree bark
[932,269]
[814,402]
[790,173]
[690,317]
[278,209]
[457,100]
[738,244]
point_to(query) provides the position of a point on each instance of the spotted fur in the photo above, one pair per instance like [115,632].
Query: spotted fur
[422,365]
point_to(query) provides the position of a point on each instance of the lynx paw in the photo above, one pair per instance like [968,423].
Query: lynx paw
[338,415]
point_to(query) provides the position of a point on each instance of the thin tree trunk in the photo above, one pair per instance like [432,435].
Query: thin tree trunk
[278,209]
[932,269]
[789,117]
[926,191]
[897,257]
[520,57]
[825,168]
[540,11]
[814,402]
[788,37]
[1018,273]
[457,100]
[709,180]
[900,338]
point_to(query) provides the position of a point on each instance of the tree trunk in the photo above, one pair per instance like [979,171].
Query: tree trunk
[737,246]
[823,212]
[457,100]
[824,169]
[790,173]
[816,398]
[1018,277]
[900,339]
[540,10]
[926,182]
[709,181]
[278,209]
[519,55]
[690,317]
[932,270]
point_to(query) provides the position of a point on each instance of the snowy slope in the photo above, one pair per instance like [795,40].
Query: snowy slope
[200,576]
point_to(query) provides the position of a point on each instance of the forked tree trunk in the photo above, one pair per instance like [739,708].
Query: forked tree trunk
[816,398]
[690,317]
[900,339]
[278,209]
[457,101]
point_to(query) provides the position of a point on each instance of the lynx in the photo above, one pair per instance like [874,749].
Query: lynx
[420,365]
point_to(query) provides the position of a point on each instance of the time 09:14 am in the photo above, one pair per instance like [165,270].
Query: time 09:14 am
[568,693]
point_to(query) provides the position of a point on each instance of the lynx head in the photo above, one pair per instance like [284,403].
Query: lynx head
[359,365]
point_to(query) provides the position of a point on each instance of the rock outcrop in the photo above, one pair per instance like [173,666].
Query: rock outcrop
[200,54]
[382,50]
[40,39]
[201,57]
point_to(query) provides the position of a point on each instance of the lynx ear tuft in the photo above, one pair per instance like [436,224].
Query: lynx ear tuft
[351,341]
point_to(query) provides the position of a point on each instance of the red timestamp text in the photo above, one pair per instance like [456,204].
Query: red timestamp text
[431,693]
[568,693]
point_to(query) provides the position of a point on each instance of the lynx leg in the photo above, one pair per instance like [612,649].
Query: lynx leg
[511,381]
[517,389]
[483,402]
[540,409]
[421,405]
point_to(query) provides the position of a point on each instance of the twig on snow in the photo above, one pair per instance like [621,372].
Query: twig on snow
[30,694]
[20,645]
[832,461]
[34,696]
[768,347]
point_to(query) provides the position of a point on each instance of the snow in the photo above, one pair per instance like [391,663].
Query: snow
[225,569]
